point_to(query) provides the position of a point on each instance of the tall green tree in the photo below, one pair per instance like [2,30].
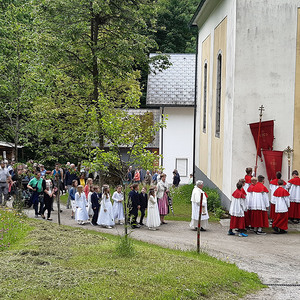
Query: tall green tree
[90,51]
[174,34]
[16,60]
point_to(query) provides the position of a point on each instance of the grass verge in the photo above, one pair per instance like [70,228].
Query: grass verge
[59,262]
[12,227]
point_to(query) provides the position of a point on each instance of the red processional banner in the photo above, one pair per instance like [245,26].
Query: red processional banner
[266,135]
[273,161]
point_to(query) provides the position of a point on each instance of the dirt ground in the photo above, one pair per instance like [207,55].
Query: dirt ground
[275,258]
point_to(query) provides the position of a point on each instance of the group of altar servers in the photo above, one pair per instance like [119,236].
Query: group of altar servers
[250,204]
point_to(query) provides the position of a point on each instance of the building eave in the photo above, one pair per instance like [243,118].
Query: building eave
[205,8]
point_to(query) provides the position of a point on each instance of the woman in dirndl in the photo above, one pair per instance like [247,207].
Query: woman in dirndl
[163,205]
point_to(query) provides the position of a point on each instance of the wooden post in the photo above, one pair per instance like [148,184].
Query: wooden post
[261,109]
[58,197]
[289,151]
[199,224]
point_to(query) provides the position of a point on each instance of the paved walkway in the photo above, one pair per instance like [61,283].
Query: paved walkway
[275,258]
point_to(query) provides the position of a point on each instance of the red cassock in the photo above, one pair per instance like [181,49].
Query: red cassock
[273,186]
[294,189]
[282,203]
[259,206]
[248,201]
[237,209]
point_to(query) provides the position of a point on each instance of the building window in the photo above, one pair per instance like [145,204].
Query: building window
[218,95]
[181,165]
[204,96]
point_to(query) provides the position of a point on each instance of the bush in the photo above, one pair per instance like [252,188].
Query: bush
[183,194]
[125,247]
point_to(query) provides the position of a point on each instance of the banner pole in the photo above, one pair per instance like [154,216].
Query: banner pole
[261,109]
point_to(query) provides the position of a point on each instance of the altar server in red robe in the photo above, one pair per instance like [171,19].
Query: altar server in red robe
[248,177]
[249,202]
[259,206]
[282,203]
[273,187]
[293,187]
[237,208]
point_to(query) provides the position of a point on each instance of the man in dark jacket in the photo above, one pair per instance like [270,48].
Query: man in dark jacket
[143,204]
[96,196]
[176,178]
[134,205]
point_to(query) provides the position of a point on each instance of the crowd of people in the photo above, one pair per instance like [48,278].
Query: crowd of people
[250,204]
[102,207]
[90,203]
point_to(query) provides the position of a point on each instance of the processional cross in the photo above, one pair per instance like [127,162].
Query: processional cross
[289,151]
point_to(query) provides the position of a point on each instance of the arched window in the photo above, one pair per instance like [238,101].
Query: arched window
[204,96]
[218,95]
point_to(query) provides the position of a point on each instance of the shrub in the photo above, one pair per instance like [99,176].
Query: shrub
[125,247]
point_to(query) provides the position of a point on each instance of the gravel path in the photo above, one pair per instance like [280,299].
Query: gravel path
[275,258]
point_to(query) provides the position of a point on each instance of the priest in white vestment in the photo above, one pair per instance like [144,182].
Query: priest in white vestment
[195,199]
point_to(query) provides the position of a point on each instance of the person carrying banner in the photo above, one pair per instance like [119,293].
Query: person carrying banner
[248,177]
[293,187]
[281,198]
[247,212]
[273,187]
[259,206]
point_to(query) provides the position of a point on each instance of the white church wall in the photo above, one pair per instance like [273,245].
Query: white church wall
[264,75]
[225,9]
[178,142]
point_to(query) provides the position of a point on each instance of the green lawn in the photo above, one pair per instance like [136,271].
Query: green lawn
[59,262]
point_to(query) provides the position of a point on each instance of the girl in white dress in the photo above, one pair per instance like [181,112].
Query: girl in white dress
[81,215]
[89,208]
[153,217]
[118,209]
[106,218]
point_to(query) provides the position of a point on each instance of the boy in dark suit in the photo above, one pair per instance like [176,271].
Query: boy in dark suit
[134,205]
[143,204]
[96,196]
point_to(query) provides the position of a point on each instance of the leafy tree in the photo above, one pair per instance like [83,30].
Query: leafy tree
[174,34]
[16,60]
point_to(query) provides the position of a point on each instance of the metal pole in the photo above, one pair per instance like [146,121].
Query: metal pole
[199,224]
[58,197]
[261,109]
[125,211]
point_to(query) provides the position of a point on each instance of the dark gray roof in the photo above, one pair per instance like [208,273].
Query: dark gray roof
[174,86]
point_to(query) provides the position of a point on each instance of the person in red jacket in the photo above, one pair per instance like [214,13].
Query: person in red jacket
[293,187]
[259,206]
[282,204]
[273,187]
[237,209]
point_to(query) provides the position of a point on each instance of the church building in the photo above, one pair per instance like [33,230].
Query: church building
[248,56]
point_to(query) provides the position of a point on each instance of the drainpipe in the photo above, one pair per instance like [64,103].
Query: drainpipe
[162,137]
[195,108]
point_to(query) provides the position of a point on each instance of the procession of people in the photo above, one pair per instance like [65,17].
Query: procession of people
[251,208]
[252,205]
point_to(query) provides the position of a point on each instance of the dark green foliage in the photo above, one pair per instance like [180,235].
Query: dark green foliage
[174,34]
